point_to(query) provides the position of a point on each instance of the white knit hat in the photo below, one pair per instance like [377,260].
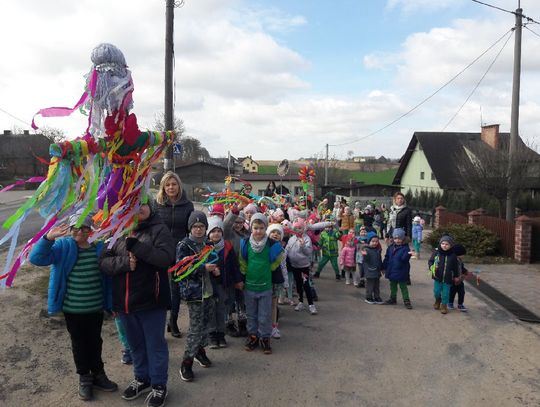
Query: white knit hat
[214,222]
[275,226]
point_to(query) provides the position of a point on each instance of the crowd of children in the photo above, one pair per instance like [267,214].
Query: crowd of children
[244,261]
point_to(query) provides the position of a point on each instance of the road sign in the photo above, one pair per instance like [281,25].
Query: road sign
[177,149]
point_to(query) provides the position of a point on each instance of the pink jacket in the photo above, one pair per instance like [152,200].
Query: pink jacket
[347,256]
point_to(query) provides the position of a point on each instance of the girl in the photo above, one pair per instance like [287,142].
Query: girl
[417,229]
[444,271]
[347,260]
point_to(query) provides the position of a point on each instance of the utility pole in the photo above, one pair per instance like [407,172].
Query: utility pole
[514,118]
[326,167]
[169,52]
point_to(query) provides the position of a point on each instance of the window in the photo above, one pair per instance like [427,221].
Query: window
[432,176]
[422,175]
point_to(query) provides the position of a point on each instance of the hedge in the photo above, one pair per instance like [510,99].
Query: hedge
[478,240]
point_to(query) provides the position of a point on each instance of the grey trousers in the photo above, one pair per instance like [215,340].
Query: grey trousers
[372,288]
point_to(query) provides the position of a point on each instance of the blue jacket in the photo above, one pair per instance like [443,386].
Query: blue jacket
[396,263]
[417,231]
[61,254]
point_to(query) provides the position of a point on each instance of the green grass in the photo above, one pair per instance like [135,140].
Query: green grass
[381,177]
[272,170]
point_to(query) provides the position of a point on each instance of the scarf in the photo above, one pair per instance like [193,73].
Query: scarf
[394,210]
[199,240]
[219,246]
[258,247]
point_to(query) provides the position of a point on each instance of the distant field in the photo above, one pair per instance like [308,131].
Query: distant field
[272,170]
[381,177]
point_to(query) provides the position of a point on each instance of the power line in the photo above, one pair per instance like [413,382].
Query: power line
[427,98]
[534,32]
[15,117]
[477,84]
[495,7]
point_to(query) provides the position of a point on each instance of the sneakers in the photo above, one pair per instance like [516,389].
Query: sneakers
[135,389]
[186,370]
[221,340]
[202,359]
[102,382]
[338,277]
[299,306]
[408,304]
[462,307]
[157,396]
[356,284]
[251,343]
[214,340]
[450,305]
[444,309]
[265,345]
[86,391]
[390,301]
[275,333]
[312,309]
[370,300]
[126,357]
[437,304]
[347,281]
[378,300]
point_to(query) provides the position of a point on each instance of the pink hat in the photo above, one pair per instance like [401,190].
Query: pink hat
[299,224]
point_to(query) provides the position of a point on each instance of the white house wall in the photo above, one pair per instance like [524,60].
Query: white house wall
[411,178]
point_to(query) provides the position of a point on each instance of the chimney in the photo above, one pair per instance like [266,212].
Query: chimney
[7,132]
[490,135]
[26,132]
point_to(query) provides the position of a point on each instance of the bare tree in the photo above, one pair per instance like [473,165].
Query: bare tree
[53,134]
[485,171]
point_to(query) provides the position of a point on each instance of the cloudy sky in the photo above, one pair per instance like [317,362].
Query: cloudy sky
[280,78]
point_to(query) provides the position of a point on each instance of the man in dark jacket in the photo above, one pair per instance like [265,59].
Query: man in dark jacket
[138,265]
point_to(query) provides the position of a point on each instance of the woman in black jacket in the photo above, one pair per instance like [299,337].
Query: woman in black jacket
[400,216]
[174,209]
[138,265]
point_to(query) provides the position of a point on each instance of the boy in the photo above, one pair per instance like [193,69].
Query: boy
[444,271]
[397,267]
[372,268]
[258,257]
[328,243]
[197,291]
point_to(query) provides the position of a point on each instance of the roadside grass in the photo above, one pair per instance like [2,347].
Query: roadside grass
[380,177]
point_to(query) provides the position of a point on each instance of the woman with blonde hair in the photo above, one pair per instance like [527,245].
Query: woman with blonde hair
[174,209]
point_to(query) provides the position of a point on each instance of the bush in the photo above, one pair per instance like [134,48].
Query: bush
[478,240]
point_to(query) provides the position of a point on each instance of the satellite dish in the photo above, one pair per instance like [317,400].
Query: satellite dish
[283,168]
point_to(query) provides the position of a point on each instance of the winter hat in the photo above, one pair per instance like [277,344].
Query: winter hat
[251,208]
[370,236]
[398,233]
[214,222]
[197,217]
[218,209]
[459,250]
[260,217]
[73,219]
[275,226]
[278,212]
[446,238]
[299,224]
[417,219]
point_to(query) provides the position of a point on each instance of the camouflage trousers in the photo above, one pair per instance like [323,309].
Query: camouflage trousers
[200,313]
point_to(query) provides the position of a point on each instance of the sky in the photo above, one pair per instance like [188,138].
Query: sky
[282,78]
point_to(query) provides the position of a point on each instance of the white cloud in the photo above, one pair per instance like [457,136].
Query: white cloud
[414,6]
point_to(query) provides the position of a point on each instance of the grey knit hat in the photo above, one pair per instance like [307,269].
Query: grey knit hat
[197,217]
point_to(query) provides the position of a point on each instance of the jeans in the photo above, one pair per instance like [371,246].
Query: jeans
[145,332]
[259,312]
[460,291]
[86,343]
[441,291]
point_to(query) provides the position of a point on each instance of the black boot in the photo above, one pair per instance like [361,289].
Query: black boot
[103,383]
[230,329]
[86,390]
[242,328]
[172,327]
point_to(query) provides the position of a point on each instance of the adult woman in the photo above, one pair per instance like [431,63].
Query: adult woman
[400,216]
[270,189]
[138,265]
[174,209]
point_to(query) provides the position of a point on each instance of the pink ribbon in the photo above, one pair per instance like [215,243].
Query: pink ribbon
[33,179]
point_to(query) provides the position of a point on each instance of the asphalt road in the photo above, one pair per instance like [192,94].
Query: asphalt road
[350,354]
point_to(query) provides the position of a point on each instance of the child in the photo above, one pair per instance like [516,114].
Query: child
[347,259]
[77,288]
[299,252]
[444,271]
[397,267]
[417,229]
[372,267]
[196,289]
[138,265]
[459,289]
[258,257]
[224,284]
[362,239]
[329,250]
[279,277]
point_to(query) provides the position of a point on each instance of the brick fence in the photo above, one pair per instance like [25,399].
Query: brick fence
[515,236]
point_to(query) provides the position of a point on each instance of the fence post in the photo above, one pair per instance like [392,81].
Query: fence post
[439,211]
[522,252]
[474,215]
